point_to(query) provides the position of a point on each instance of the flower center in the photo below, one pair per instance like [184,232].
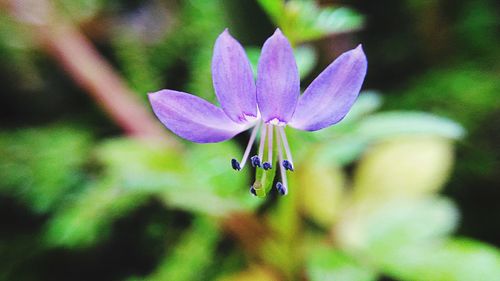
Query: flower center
[257,161]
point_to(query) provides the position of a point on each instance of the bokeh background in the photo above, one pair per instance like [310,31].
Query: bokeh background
[92,187]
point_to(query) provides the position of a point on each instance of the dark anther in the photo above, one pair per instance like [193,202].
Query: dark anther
[267,166]
[255,160]
[252,190]
[288,165]
[235,164]
[281,188]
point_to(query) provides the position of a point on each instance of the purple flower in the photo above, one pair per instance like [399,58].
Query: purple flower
[267,105]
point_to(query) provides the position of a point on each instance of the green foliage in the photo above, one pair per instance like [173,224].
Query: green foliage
[134,171]
[453,260]
[449,91]
[191,256]
[137,68]
[79,10]
[381,216]
[348,140]
[303,20]
[42,166]
[191,40]
[328,264]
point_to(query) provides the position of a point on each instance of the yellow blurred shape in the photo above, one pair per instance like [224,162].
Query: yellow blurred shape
[405,166]
[251,274]
[321,190]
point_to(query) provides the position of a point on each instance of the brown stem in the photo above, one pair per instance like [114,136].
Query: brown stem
[82,62]
[77,55]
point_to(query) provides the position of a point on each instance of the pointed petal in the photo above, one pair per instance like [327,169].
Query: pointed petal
[278,84]
[233,79]
[192,118]
[330,96]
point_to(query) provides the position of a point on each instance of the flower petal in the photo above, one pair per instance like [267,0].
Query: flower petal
[233,79]
[330,96]
[193,118]
[278,84]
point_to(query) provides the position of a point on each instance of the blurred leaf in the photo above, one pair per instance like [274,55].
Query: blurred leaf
[405,166]
[274,8]
[251,274]
[211,186]
[133,56]
[448,92]
[191,256]
[367,102]
[80,10]
[304,20]
[345,143]
[132,172]
[328,264]
[321,187]
[453,260]
[378,229]
[388,124]
[199,179]
[17,54]
[87,220]
[305,57]
[41,165]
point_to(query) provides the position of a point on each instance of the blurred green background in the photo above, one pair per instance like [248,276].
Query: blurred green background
[406,188]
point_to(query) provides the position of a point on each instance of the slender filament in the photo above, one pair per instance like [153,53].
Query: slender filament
[280,158]
[249,145]
[262,141]
[285,144]
[270,144]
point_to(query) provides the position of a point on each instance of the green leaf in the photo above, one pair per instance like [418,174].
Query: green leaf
[380,229]
[388,124]
[306,59]
[42,165]
[345,142]
[213,187]
[274,8]
[191,256]
[453,260]
[304,20]
[328,264]
[80,10]
[133,56]
[404,167]
[87,219]
[368,102]
[132,172]
[321,189]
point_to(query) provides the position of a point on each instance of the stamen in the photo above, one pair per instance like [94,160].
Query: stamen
[268,164]
[288,163]
[237,166]
[281,187]
[255,161]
